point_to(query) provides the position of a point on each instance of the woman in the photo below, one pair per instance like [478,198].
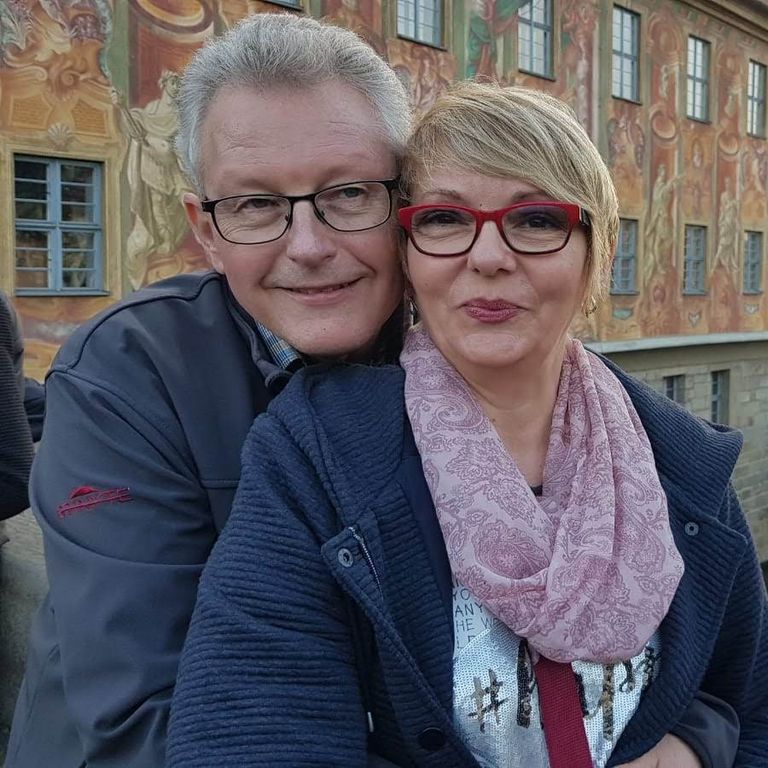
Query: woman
[435,561]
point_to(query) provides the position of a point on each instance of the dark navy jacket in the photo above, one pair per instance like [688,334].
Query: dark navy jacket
[323,623]
[148,407]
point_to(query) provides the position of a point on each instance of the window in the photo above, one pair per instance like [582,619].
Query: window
[698,79]
[674,388]
[753,262]
[420,20]
[695,259]
[625,262]
[756,99]
[534,37]
[626,53]
[57,226]
[720,392]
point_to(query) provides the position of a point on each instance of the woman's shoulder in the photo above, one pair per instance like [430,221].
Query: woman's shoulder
[330,390]
[355,413]
[692,454]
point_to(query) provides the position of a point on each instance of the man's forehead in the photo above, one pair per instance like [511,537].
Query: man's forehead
[249,114]
[293,137]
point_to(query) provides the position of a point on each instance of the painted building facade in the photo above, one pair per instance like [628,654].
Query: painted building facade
[674,94]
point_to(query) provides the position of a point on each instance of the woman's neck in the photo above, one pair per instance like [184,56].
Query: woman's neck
[519,403]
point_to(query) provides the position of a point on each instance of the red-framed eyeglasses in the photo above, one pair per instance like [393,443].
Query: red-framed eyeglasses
[529,228]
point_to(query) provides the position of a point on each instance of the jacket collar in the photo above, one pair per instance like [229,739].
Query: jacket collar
[275,377]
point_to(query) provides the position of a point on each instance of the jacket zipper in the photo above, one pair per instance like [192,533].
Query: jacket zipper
[367,696]
[361,541]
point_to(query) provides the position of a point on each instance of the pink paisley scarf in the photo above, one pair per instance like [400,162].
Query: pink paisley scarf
[586,571]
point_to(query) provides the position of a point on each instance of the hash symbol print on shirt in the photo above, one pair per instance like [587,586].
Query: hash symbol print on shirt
[481,708]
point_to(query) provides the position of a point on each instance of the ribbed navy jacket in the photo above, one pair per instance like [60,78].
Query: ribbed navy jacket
[323,624]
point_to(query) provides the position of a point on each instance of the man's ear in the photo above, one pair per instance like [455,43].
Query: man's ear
[202,228]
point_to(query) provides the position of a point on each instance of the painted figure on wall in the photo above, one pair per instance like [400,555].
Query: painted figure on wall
[727,252]
[730,86]
[488,20]
[666,47]
[696,199]
[754,172]
[66,38]
[658,233]
[579,24]
[626,153]
[425,71]
[155,179]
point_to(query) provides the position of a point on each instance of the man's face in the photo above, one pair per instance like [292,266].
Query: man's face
[327,293]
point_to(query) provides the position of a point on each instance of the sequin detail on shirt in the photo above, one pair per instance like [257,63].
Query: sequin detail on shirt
[495,701]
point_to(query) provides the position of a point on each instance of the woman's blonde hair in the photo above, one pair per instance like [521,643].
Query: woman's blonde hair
[529,135]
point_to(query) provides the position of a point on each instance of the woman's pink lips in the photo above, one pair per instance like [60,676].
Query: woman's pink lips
[491,311]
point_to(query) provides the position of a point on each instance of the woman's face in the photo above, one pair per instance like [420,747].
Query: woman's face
[493,308]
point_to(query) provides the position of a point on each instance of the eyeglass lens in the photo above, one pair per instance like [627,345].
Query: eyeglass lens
[528,229]
[261,218]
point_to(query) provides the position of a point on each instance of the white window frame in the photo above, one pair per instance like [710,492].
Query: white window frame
[695,260]
[56,227]
[626,54]
[624,268]
[753,262]
[756,98]
[697,78]
[529,26]
[412,18]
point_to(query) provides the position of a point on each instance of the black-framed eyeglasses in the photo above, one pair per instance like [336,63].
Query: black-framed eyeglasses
[254,219]
[529,228]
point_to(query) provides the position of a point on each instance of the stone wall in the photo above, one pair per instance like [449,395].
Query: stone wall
[22,587]
[747,364]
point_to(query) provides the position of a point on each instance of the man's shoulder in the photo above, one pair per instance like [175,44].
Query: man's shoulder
[154,317]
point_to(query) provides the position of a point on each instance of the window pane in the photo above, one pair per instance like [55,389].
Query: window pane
[63,250]
[31,190]
[77,240]
[76,213]
[31,259]
[32,279]
[753,262]
[29,169]
[27,191]
[78,173]
[77,193]
[78,278]
[32,238]
[35,211]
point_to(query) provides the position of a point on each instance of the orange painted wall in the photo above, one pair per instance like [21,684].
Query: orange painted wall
[93,79]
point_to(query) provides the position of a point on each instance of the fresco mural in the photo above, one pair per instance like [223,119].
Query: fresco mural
[54,101]
[95,80]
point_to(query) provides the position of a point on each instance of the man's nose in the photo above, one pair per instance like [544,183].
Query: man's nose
[308,240]
[490,253]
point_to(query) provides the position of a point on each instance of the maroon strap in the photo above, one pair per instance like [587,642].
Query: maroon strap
[561,715]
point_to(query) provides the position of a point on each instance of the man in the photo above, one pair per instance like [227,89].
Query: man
[291,133]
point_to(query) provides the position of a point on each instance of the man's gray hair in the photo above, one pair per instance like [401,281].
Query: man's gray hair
[268,50]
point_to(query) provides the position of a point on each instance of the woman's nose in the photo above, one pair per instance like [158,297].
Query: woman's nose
[490,253]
